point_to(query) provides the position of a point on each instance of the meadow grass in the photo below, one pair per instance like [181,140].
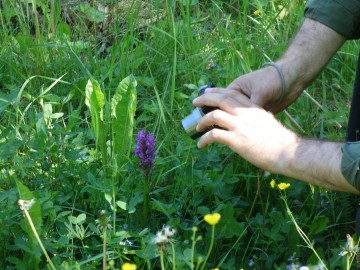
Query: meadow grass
[47,143]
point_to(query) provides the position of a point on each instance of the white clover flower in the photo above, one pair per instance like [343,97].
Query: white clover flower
[169,231]
[26,204]
[161,238]
[164,236]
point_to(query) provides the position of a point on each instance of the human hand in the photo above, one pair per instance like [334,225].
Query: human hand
[248,129]
[307,54]
[264,88]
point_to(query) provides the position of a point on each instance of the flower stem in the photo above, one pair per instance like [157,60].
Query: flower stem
[38,238]
[146,200]
[173,255]
[162,259]
[193,249]
[104,248]
[301,232]
[210,247]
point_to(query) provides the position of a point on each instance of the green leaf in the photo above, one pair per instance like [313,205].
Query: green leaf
[318,224]
[63,30]
[10,147]
[80,219]
[35,215]
[122,205]
[123,107]
[134,201]
[7,99]
[150,252]
[95,100]
[109,199]
[91,13]
[34,210]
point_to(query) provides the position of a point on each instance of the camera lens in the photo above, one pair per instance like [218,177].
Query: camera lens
[190,122]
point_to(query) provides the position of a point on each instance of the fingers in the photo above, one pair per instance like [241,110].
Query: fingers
[215,118]
[227,100]
[224,123]
[215,135]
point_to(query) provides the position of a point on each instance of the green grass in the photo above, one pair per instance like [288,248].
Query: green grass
[171,48]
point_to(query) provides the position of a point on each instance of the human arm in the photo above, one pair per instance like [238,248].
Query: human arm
[258,137]
[308,53]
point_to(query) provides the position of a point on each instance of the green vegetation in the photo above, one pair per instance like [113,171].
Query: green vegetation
[79,79]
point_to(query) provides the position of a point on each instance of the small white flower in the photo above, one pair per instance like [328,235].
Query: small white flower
[126,242]
[160,238]
[169,231]
[164,236]
[26,204]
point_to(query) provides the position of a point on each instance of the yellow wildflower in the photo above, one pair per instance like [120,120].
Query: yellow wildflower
[212,219]
[128,266]
[256,12]
[272,183]
[283,186]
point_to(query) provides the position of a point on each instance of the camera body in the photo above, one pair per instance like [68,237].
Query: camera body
[190,122]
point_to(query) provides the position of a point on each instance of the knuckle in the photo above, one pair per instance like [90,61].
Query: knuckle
[216,114]
[214,134]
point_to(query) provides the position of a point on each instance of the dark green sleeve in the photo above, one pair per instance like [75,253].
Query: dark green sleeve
[350,163]
[343,16]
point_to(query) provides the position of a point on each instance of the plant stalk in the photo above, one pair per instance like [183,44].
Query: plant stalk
[210,247]
[104,248]
[162,259]
[37,27]
[173,255]
[146,199]
[38,239]
[193,249]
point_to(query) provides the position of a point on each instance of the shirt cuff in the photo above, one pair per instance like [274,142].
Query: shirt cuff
[350,163]
[341,16]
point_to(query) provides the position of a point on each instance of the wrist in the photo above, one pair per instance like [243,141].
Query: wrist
[283,162]
[295,76]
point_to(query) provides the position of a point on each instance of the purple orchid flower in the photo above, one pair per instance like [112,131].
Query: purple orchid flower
[145,150]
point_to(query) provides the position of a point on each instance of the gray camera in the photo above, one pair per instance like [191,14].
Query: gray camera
[190,122]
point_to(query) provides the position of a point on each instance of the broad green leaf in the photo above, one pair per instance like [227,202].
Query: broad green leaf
[63,30]
[95,100]
[77,220]
[35,214]
[7,99]
[122,205]
[72,219]
[320,223]
[10,147]
[134,201]
[150,252]
[123,107]
[109,199]
[91,13]
[34,210]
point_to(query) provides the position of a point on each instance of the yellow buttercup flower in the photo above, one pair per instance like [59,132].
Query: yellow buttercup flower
[272,183]
[283,186]
[256,12]
[212,219]
[128,266]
